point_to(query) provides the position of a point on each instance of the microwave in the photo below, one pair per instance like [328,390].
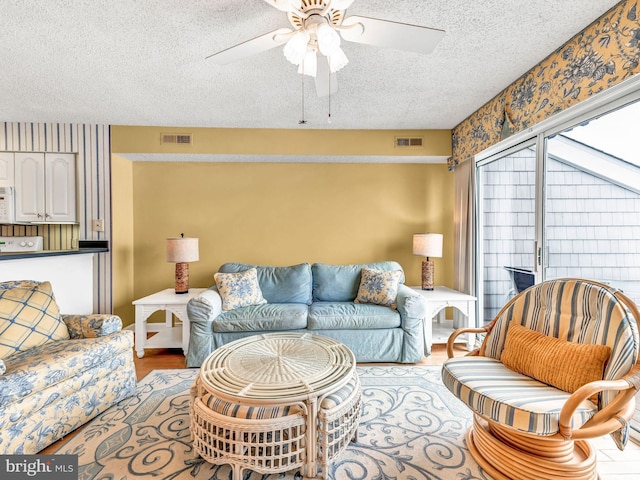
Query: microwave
[7,209]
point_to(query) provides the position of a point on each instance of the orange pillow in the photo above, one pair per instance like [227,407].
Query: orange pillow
[562,364]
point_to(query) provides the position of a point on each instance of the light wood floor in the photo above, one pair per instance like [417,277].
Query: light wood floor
[612,463]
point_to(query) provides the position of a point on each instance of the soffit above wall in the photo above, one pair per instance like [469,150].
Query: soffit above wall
[223,158]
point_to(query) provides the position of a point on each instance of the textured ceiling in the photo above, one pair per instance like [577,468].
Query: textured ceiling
[128,62]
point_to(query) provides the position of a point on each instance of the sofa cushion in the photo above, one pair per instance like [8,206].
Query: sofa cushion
[379,288]
[29,317]
[348,316]
[239,289]
[339,283]
[291,284]
[488,387]
[261,318]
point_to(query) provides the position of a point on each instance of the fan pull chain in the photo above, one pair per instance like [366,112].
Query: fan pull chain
[302,121]
[329,117]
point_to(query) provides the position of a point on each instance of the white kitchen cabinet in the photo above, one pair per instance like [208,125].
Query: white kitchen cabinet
[6,169]
[45,187]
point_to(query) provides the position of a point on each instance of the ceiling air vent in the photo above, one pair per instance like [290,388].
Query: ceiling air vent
[408,141]
[181,138]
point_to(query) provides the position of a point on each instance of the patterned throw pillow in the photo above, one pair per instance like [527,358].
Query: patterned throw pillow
[29,317]
[19,284]
[239,289]
[379,288]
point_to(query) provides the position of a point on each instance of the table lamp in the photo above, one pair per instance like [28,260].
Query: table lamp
[427,245]
[180,251]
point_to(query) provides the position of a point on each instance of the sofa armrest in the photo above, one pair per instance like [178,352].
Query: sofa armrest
[92,326]
[411,307]
[202,310]
[205,307]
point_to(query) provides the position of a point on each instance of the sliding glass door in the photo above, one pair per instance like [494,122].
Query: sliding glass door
[565,203]
[592,205]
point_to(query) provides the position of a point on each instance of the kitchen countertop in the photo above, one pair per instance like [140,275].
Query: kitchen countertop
[49,253]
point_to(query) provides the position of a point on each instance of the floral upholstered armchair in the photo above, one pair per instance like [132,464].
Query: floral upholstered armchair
[56,371]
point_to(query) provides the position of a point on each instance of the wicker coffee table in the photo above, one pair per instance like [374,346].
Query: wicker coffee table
[276,402]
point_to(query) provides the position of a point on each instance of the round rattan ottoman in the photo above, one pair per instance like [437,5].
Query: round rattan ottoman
[276,402]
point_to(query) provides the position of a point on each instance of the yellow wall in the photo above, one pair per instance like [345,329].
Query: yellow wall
[122,237]
[274,213]
[283,214]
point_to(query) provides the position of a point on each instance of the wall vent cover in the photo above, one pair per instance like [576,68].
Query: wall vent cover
[408,141]
[181,138]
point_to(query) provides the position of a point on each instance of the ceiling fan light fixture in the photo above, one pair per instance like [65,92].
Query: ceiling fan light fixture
[296,48]
[309,64]
[328,39]
[337,60]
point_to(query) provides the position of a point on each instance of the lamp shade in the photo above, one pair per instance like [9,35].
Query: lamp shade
[427,244]
[296,48]
[309,64]
[182,250]
[328,39]
[337,60]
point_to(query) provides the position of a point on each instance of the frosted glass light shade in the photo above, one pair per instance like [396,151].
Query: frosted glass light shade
[427,244]
[309,65]
[296,48]
[328,39]
[337,60]
[182,250]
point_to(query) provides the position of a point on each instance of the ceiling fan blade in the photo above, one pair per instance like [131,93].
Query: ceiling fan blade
[326,82]
[251,47]
[385,33]
[284,5]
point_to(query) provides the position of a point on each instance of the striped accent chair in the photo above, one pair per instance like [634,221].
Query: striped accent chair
[526,428]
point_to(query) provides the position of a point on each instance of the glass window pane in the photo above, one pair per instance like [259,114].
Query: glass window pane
[592,209]
[507,228]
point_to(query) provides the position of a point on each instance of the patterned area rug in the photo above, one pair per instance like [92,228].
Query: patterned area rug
[411,428]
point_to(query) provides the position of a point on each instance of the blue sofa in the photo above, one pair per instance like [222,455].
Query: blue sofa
[317,298]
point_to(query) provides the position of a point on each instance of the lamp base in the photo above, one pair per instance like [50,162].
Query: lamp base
[182,277]
[427,275]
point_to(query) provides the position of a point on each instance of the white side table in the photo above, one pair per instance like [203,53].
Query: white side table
[437,300]
[170,336]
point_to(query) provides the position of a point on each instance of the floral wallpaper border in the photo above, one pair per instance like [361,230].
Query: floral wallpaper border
[602,55]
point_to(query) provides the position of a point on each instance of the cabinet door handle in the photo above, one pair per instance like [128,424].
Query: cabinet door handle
[39,216]
[46,215]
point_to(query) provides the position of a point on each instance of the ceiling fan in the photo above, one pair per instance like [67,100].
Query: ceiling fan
[313,40]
